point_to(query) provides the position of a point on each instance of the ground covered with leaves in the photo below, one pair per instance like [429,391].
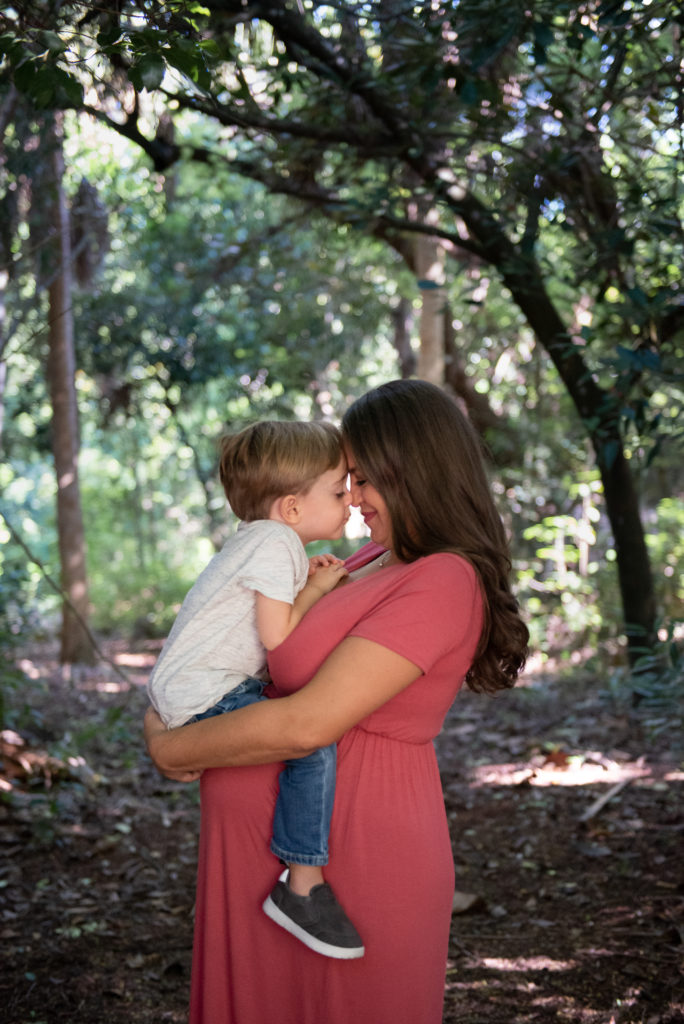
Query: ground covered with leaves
[566,815]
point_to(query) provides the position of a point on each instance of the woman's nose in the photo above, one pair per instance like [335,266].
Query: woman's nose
[354,494]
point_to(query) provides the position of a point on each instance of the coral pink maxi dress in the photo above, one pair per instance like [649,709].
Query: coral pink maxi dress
[390,855]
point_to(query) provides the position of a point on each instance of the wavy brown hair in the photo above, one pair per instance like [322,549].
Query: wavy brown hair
[413,443]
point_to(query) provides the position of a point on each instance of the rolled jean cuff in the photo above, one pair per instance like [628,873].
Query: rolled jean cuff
[299,858]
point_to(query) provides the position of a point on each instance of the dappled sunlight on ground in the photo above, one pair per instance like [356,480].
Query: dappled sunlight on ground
[572,770]
[531,963]
[565,817]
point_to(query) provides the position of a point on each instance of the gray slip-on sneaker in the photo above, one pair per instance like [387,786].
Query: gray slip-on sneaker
[317,920]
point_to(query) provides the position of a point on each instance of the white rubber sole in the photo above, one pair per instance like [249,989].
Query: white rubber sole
[317,945]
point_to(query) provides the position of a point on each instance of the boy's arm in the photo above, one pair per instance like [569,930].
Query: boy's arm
[277,619]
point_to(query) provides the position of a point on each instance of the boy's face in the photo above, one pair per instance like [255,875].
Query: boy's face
[324,509]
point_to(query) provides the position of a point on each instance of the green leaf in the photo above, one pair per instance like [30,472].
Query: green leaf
[543,34]
[9,46]
[190,62]
[49,87]
[470,92]
[543,38]
[53,42]
[108,36]
[148,72]
[639,359]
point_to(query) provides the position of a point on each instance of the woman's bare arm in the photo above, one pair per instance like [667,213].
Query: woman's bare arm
[358,677]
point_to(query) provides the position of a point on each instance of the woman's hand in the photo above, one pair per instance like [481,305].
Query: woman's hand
[182,776]
[155,730]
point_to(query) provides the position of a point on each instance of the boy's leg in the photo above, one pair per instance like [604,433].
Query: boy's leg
[304,807]
[303,810]
[301,824]
[305,800]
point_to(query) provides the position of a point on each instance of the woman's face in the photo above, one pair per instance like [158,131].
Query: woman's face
[371,504]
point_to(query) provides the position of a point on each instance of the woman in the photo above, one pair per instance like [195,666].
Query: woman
[382,658]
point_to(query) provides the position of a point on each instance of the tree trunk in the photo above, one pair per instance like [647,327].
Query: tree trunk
[7,108]
[633,566]
[3,364]
[480,412]
[61,370]
[401,321]
[600,413]
[429,262]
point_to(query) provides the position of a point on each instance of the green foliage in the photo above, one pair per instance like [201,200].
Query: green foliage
[209,313]
[27,604]
[666,542]
[36,71]
[250,272]
[654,692]
[146,541]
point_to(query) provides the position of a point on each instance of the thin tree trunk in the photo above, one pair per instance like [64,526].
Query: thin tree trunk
[3,362]
[429,261]
[401,321]
[7,108]
[631,555]
[61,371]
[3,385]
[480,412]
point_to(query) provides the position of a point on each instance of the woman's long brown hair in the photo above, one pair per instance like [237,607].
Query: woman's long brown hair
[413,443]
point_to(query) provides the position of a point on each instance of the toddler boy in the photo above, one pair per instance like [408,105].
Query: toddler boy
[286,482]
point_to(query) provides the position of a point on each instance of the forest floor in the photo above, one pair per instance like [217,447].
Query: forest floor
[567,822]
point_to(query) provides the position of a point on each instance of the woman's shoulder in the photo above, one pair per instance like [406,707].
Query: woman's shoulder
[421,609]
[434,581]
[439,584]
[443,566]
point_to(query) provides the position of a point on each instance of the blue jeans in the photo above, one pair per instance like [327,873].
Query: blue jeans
[307,789]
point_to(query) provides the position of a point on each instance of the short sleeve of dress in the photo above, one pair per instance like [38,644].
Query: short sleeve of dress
[425,616]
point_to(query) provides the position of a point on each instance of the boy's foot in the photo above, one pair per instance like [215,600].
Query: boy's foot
[317,920]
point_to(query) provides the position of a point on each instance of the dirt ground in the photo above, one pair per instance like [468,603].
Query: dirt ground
[566,817]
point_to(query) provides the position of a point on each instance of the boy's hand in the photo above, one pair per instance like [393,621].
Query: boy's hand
[320,562]
[326,577]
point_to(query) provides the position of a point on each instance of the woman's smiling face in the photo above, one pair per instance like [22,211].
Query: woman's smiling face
[371,504]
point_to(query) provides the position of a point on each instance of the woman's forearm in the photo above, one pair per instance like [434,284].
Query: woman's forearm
[356,679]
[253,735]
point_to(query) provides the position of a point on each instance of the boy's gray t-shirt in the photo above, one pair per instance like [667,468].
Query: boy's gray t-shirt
[214,644]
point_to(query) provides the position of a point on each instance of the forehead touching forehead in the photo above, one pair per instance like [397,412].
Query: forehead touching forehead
[341,471]
[335,474]
[350,460]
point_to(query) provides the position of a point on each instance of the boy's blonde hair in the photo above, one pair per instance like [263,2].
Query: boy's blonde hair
[270,459]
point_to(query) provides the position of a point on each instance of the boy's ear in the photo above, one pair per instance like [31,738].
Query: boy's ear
[286,509]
